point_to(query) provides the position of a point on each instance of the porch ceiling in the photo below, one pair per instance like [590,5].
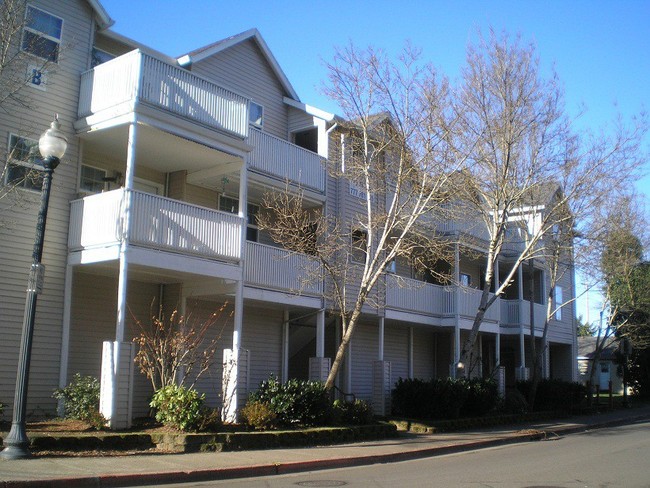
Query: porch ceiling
[146,274]
[161,151]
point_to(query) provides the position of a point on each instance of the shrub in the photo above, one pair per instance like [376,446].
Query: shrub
[555,394]
[2,407]
[482,397]
[296,401]
[210,419]
[358,412]
[178,407]
[515,402]
[412,398]
[443,398]
[259,415]
[81,400]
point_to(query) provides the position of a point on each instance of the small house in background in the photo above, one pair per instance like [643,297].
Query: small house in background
[607,366]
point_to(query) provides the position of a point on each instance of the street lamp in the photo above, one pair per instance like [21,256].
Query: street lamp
[52,146]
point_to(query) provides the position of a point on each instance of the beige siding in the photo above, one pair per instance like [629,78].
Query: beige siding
[396,350]
[244,69]
[94,312]
[424,353]
[262,336]
[364,350]
[60,97]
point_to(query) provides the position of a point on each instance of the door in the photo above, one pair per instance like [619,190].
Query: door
[604,376]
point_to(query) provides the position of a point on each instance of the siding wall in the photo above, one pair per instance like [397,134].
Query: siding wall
[93,319]
[244,70]
[396,350]
[364,350]
[424,353]
[17,240]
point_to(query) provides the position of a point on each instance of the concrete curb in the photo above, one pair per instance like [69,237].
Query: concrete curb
[220,474]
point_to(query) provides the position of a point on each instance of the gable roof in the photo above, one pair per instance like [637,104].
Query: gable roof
[101,15]
[587,348]
[219,46]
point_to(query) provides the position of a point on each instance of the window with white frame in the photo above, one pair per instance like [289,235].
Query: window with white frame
[42,34]
[92,180]
[231,205]
[256,114]
[559,300]
[22,169]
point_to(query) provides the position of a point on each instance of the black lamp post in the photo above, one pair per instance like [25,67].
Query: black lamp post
[52,146]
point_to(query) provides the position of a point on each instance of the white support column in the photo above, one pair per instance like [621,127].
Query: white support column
[410,353]
[231,380]
[456,337]
[320,334]
[497,347]
[65,333]
[319,366]
[380,339]
[285,345]
[126,224]
[480,354]
[522,314]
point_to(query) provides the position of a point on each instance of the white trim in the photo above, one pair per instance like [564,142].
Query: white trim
[310,109]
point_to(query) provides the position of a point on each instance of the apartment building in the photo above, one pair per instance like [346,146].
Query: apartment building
[155,202]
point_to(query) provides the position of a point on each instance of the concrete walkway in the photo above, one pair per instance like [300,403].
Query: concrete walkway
[157,469]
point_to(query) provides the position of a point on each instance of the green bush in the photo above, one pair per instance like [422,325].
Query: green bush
[482,397]
[296,401]
[259,415]
[514,402]
[443,398]
[358,412]
[81,400]
[555,394]
[178,407]
[210,419]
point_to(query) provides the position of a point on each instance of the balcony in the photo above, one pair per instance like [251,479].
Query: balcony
[465,302]
[414,296]
[284,161]
[278,269]
[122,83]
[156,223]
[517,312]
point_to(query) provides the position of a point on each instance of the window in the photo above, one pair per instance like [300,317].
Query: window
[99,57]
[359,246]
[22,169]
[558,301]
[465,279]
[256,114]
[231,205]
[42,34]
[93,180]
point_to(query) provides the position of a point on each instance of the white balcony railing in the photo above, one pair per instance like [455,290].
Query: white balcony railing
[281,159]
[137,77]
[465,302]
[275,268]
[517,312]
[155,222]
[413,295]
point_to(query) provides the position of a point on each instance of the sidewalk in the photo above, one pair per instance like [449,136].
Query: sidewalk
[157,469]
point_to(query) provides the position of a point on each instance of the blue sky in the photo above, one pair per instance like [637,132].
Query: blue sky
[600,50]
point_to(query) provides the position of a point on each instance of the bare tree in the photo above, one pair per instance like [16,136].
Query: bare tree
[177,349]
[392,152]
[529,175]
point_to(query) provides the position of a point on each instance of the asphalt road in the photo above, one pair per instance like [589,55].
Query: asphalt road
[612,457]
